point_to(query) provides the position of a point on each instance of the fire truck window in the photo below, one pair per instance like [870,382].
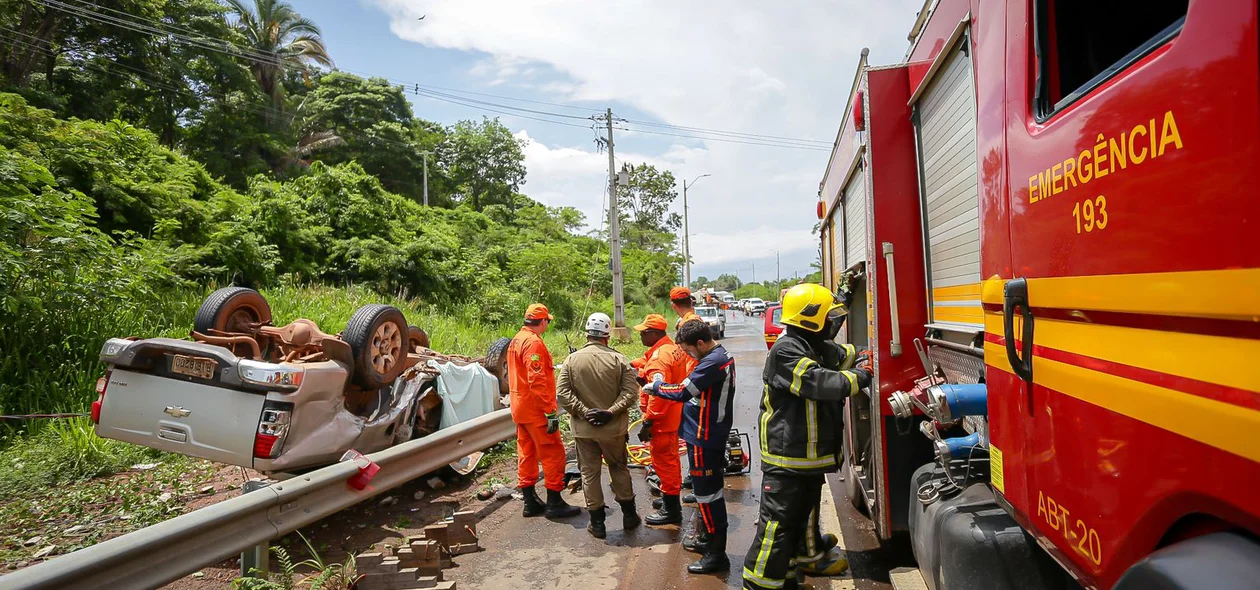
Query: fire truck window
[1081,43]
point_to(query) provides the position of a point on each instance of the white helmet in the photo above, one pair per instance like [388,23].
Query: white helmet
[598,325]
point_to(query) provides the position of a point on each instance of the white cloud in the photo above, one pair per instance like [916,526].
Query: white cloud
[770,68]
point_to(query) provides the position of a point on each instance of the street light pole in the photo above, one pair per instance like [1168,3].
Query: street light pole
[687,233]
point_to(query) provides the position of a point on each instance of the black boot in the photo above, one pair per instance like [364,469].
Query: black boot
[670,512]
[629,515]
[533,504]
[596,526]
[714,559]
[558,508]
[697,543]
[689,499]
[657,503]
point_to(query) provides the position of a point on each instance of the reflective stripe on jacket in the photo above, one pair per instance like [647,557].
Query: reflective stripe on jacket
[802,404]
[709,396]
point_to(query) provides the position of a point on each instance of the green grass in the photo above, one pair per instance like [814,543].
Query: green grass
[64,452]
[74,516]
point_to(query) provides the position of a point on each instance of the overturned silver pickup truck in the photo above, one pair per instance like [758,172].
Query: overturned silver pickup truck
[286,399]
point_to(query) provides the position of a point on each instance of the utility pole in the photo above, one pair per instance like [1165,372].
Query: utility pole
[778,278]
[426,178]
[754,273]
[614,229]
[687,234]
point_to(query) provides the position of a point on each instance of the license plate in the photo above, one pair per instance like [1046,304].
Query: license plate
[193,366]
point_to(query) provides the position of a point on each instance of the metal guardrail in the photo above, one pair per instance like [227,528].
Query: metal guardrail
[167,551]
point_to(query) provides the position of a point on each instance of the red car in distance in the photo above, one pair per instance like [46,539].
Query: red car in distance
[774,312]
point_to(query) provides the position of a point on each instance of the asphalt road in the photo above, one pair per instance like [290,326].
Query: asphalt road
[524,553]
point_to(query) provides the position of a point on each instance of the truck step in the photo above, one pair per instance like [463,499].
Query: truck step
[907,578]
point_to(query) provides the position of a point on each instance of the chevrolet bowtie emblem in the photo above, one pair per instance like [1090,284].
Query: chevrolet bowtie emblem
[177,411]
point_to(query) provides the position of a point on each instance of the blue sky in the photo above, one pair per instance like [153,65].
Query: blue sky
[765,68]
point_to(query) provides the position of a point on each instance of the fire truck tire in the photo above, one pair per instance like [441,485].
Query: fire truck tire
[231,309]
[496,363]
[853,488]
[1222,561]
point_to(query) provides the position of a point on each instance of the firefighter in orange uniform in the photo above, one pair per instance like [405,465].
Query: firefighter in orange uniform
[685,307]
[661,416]
[532,385]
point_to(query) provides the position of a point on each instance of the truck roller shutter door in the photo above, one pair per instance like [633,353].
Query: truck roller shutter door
[855,219]
[947,156]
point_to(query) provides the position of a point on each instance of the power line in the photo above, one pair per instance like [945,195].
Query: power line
[236,52]
[135,72]
[775,145]
[510,114]
[156,28]
[482,102]
[732,133]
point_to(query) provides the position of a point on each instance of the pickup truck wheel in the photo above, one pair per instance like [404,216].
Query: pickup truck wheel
[496,363]
[417,337]
[377,335]
[232,309]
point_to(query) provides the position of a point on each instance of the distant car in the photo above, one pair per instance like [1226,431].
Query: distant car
[773,325]
[715,318]
[756,306]
[283,399]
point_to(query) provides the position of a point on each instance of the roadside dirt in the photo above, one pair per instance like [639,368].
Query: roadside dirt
[385,520]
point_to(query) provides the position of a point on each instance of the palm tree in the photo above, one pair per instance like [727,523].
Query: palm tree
[277,38]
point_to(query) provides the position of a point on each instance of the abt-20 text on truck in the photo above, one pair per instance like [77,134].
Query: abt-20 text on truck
[1046,217]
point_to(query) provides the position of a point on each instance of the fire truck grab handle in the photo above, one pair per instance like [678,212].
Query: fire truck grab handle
[1016,292]
[894,347]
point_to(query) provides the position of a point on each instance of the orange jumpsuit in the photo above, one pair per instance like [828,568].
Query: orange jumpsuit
[532,388]
[668,360]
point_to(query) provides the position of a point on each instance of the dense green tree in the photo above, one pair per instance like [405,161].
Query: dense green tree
[487,164]
[727,282]
[368,121]
[644,204]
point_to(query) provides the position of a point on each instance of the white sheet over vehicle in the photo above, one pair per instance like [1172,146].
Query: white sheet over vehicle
[467,391]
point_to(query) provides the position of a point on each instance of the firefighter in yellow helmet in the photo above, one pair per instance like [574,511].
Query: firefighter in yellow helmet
[807,377]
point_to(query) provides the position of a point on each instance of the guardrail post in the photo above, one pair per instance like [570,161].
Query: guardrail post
[257,557]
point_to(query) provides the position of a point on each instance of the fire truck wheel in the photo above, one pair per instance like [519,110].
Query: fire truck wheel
[231,309]
[1221,560]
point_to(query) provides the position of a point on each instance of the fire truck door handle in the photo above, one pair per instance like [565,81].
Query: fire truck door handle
[1016,292]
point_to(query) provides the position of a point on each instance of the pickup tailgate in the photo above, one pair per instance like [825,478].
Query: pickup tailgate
[148,403]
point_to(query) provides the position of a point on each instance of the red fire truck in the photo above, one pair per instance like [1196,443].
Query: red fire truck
[1042,216]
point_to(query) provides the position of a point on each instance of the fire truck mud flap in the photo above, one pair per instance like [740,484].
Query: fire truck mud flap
[1223,561]
[968,541]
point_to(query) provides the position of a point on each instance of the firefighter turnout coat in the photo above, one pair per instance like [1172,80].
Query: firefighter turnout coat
[802,405]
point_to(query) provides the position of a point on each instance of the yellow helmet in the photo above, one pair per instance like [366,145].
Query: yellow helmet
[806,306]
